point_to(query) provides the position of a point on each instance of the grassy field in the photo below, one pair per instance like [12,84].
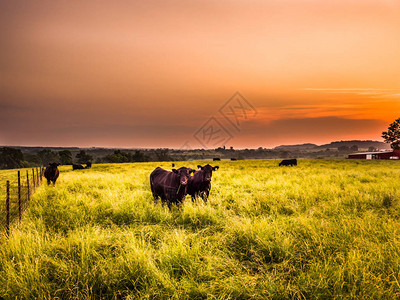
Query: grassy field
[324,229]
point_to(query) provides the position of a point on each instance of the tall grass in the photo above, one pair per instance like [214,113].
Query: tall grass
[321,230]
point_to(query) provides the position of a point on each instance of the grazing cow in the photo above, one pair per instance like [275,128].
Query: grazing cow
[77,167]
[288,162]
[200,182]
[233,159]
[88,165]
[216,159]
[173,165]
[51,172]
[171,187]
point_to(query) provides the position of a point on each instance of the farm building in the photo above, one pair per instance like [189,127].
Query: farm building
[395,154]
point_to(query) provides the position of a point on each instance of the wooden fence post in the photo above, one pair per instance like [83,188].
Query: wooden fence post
[37,176]
[19,196]
[8,209]
[27,185]
[33,178]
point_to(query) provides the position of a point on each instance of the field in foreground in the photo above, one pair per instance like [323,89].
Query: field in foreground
[324,229]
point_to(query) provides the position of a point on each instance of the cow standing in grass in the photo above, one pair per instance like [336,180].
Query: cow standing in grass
[288,162]
[200,183]
[171,187]
[77,167]
[51,173]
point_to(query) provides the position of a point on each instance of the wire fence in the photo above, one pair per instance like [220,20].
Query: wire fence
[17,194]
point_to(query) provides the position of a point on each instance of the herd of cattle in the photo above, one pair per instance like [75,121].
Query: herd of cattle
[173,186]
[170,186]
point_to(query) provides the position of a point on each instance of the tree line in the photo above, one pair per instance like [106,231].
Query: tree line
[11,158]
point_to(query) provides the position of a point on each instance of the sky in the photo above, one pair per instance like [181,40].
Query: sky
[197,74]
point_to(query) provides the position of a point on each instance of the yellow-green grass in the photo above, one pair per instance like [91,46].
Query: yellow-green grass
[324,229]
[12,177]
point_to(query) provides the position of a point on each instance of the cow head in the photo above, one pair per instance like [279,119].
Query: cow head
[207,171]
[184,174]
[54,165]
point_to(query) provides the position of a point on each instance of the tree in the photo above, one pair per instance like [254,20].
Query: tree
[162,155]
[354,148]
[392,135]
[117,157]
[65,157]
[32,159]
[140,156]
[11,158]
[343,149]
[48,156]
[83,158]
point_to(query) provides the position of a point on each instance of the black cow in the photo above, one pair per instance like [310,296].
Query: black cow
[200,183]
[233,159]
[288,162]
[216,159]
[77,167]
[88,165]
[171,187]
[51,172]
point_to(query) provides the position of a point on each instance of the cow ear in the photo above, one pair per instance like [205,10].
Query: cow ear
[192,171]
[175,171]
[215,168]
[199,167]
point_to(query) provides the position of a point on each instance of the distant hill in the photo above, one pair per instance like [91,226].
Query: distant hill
[307,146]
[334,145]
[360,144]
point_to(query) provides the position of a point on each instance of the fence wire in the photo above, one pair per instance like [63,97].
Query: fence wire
[15,195]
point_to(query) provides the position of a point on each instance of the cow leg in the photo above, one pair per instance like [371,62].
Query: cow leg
[207,193]
[163,200]
[155,198]
[204,196]
[48,181]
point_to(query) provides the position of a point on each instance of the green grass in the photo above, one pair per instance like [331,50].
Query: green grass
[325,229]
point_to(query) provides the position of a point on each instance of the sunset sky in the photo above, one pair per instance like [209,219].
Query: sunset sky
[163,73]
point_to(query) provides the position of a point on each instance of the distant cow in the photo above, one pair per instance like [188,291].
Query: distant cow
[51,172]
[200,183]
[88,165]
[216,159]
[233,159]
[77,167]
[288,162]
[171,187]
